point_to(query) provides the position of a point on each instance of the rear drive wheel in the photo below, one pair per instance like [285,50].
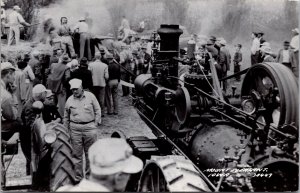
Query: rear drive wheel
[171,174]
[56,168]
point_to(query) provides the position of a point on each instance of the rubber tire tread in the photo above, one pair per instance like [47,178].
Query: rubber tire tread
[60,156]
[189,180]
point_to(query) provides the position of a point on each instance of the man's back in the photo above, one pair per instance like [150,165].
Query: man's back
[85,75]
[57,77]
[15,18]
[228,57]
[114,71]
[99,73]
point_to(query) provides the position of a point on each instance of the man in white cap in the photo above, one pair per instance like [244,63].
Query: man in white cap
[83,29]
[110,172]
[15,20]
[82,116]
[28,116]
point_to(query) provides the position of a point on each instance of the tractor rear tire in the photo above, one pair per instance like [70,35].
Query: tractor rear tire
[62,166]
[56,168]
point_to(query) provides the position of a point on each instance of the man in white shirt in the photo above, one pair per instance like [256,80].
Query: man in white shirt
[15,20]
[100,76]
[255,49]
[83,29]
[286,56]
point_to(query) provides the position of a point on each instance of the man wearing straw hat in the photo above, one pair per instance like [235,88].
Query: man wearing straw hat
[110,172]
[267,53]
[15,20]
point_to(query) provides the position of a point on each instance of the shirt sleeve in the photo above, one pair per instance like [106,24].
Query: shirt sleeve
[29,116]
[30,73]
[8,111]
[106,75]
[20,18]
[97,108]
[255,46]
[66,120]
[122,57]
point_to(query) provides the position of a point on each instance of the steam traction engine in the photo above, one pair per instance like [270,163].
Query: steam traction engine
[207,141]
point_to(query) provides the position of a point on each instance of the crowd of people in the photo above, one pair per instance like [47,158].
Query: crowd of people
[261,51]
[75,89]
[76,86]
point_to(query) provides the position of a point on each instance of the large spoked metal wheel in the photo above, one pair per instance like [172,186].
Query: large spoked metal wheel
[274,86]
[171,174]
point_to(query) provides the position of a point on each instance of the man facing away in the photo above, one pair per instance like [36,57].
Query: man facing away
[113,82]
[15,20]
[83,29]
[99,72]
[82,116]
[112,163]
[57,80]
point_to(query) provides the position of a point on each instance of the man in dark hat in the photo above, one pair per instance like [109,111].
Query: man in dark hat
[211,48]
[286,56]
[84,74]
[57,81]
[103,57]
[255,48]
[213,39]
[112,86]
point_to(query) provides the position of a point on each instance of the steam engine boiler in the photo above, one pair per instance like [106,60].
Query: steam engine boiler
[251,146]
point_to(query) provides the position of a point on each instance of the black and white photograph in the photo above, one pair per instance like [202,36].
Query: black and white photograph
[149,95]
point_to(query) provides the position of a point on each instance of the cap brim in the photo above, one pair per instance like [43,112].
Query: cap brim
[74,87]
[131,166]
[134,165]
[10,68]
